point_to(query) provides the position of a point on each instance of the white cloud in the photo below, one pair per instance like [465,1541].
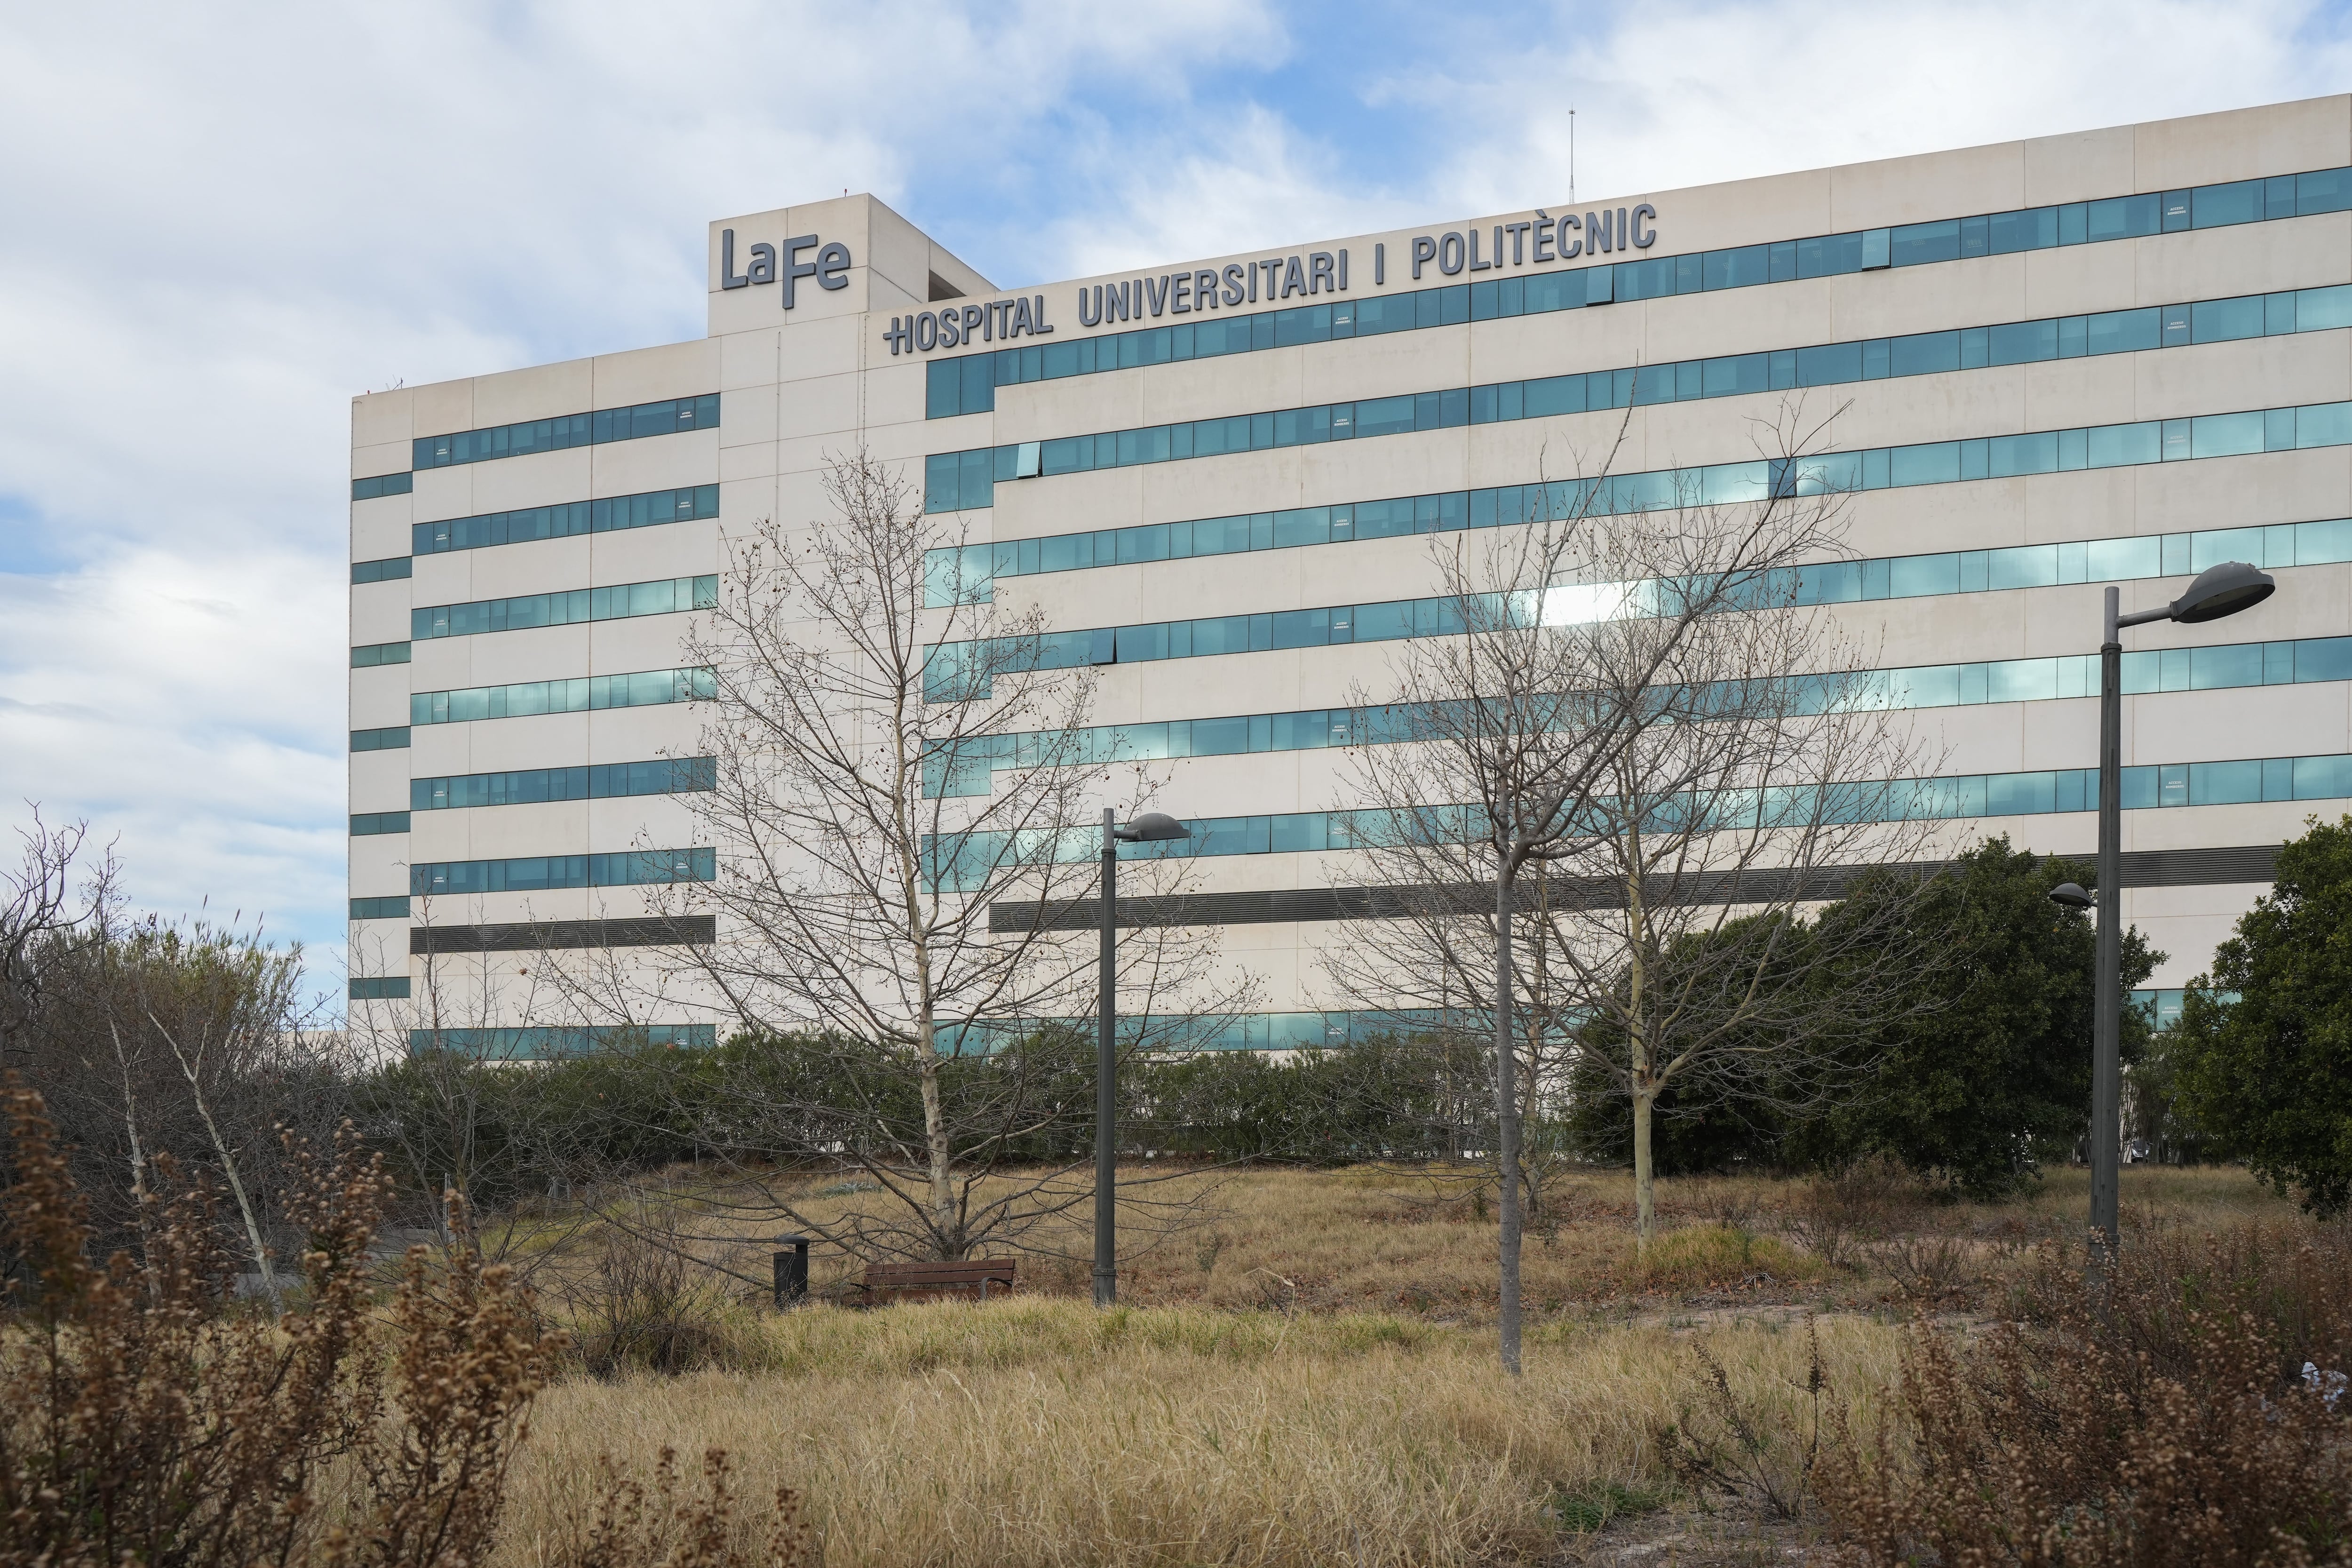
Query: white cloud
[224,221]
[1678,95]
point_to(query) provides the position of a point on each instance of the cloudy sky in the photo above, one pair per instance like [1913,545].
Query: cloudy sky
[219,221]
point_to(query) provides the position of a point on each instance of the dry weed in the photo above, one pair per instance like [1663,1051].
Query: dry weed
[142,1420]
[630,1530]
[2160,1420]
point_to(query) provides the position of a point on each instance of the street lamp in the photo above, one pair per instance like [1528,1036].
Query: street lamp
[2218,591]
[1151,828]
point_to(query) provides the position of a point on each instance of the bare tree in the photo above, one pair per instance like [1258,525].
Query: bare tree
[39,916]
[895,757]
[1627,652]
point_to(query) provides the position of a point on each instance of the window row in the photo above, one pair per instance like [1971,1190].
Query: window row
[367,823]
[566,520]
[382,485]
[390,737]
[967,863]
[1311,1031]
[585,694]
[665,418]
[367,656]
[538,1042]
[381,988]
[381,908]
[389,569]
[967,384]
[537,786]
[966,769]
[1719,484]
[964,480]
[544,873]
[972,571]
[573,606]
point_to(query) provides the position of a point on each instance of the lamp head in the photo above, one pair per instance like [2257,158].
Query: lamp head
[1153,826]
[2222,590]
[2071,894]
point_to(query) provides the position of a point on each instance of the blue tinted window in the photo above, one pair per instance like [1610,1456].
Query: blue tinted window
[2219,320]
[629,424]
[384,570]
[2213,205]
[2023,343]
[1914,244]
[381,485]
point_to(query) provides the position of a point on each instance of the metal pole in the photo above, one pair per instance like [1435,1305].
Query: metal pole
[2107,1071]
[1106,1080]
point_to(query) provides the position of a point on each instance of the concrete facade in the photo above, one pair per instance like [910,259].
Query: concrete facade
[830,374]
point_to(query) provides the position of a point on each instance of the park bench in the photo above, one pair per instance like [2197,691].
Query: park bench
[889,1282]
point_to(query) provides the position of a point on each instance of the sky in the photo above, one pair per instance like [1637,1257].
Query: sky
[218,223]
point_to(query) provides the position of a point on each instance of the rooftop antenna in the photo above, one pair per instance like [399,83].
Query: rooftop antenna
[1571,154]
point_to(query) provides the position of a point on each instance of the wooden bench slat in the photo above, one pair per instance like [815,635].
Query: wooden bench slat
[911,1275]
[889,1282]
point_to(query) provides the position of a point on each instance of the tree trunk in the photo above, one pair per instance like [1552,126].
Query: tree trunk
[228,1169]
[935,1139]
[1645,1181]
[1507,1123]
[1638,1067]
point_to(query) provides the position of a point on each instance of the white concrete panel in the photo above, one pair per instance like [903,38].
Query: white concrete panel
[542,392]
[379,529]
[384,418]
[379,613]
[2239,143]
[655,463]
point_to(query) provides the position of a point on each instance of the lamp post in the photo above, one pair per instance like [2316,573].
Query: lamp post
[2218,591]
[1151,828]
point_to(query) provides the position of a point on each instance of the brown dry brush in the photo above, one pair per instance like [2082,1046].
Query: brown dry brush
[145,1418]
[677,1532]
[2163,1420]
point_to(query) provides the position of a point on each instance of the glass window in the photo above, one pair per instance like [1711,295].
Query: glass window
[2215,668]
[2033,454]
[2119,446]
[2323,658]
[2222,321]
[1738,269]
[1931,463]
[1914,244]
[2323,424]
[2322,778]
[2224,784]
[2238,202]
[2024,342]
[2022,566]
[2035,228]
[2225,434]
[1829,364]
[2323,191]
[2321,309]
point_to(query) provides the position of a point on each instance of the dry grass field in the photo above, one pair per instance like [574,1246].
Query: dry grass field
[1043,1433]
[1305,1373]
[1423,1242]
